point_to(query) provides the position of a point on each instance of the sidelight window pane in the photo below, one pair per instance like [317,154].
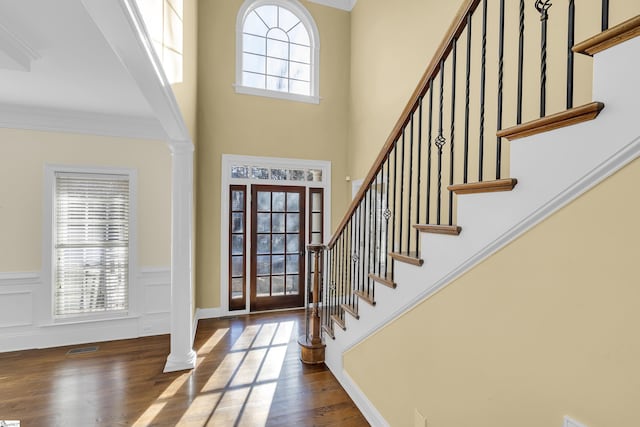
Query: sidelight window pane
[237,244]
[237,269]
[237,222]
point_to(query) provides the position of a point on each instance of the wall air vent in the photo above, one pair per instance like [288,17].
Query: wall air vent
[82,350]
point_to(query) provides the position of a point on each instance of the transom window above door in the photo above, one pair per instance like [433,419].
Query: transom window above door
[277,51]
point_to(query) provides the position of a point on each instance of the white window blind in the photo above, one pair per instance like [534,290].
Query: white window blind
[91,243]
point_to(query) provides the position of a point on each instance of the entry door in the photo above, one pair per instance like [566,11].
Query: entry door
[277,241]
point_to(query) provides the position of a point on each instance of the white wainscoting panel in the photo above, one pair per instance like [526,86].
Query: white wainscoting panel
[21,292]
[16,308]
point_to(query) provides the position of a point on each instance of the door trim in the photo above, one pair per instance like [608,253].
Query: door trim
[228,160]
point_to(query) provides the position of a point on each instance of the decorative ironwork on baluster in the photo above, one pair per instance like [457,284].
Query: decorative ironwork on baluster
[440,141]
[543,8]
[483,62]
[418,192]
[453,125]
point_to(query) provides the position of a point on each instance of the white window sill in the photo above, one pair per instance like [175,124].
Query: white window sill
[245,90]
[79,321]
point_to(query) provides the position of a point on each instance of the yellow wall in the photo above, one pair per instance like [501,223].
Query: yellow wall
[186,91]
[22,160]
[544,328]
[230,123]
[386,65]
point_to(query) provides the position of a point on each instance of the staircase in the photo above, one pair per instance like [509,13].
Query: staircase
[405,236]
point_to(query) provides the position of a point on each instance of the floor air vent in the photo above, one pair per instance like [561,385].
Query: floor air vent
[83,350]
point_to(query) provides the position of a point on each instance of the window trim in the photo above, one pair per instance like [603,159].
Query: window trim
[307,20]
[48,247]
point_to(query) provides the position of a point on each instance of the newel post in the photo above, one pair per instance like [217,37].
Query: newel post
[311,345]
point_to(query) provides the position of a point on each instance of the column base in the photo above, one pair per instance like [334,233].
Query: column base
[180,363]
[311,354]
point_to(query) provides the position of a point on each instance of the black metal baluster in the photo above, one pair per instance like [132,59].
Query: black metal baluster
[570,41]
[543,6]
[429,152]
[369,238]
[374,233]
[520,62]
[350,261]
[387,216]
[410,196]
[440,141]
[466,103]
[605,15]
[327,292]
[401,193]
[341,294]
[379,193]
[482,89]
[419,173]
[354,248]
[363,223]
[395,210]
[500,80]
[453,125]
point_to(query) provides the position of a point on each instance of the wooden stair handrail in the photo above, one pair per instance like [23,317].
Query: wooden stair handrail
[455,29]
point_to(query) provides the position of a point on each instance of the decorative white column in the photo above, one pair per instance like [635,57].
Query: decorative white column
[182,355]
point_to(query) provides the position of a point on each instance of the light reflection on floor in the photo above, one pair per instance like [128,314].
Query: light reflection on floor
[241,389]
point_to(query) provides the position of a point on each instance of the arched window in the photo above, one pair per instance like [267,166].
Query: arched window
[277,50]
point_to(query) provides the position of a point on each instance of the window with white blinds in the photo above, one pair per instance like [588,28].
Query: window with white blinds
[91,243]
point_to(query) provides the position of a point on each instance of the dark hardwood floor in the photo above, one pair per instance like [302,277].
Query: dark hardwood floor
[248,374]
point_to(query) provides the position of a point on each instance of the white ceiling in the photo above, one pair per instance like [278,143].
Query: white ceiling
[54,59]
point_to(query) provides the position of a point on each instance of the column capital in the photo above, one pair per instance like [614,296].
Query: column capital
[181,147]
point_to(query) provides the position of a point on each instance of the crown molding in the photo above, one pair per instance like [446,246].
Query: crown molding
[347,5]
[61,120]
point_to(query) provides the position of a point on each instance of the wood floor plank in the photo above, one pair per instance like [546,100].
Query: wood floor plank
[248,373]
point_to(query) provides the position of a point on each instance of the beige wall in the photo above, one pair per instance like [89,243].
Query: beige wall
[230,123]
[24,155]
[386,65]
[544,328]
[186,91]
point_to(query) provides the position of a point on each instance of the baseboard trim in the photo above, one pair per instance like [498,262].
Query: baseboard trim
[365,406]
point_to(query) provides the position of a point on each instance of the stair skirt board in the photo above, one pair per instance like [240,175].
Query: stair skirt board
[576,159]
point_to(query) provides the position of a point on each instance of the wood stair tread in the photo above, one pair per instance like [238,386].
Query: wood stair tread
[410,258]
[484,186]
[565,118]
[328,331]
[351,310]
[452,230]
[338,321]
[365,296]
[609,38]
[386,280]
